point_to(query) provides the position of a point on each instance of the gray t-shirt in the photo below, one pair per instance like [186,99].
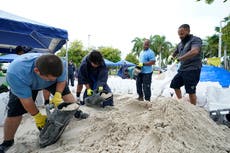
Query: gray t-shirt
[193,63]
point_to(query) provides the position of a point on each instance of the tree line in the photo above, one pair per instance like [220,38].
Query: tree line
[158,44]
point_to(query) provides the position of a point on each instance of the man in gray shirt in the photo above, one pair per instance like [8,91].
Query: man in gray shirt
[188,52]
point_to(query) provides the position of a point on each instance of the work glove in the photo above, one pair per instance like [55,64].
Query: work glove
[176,60]
[100,89]
[170,58]
[40,120]
[140,64]
[89,92]
[173,59]
[57,99]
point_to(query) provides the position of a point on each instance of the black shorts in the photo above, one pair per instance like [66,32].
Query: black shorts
[15,107]
[189,79]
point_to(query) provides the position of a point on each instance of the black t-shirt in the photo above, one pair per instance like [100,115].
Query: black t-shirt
[193,63]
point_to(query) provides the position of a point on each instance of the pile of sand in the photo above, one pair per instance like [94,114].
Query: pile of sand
[168,126]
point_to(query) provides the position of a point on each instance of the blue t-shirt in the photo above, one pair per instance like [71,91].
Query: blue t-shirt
[22,79]
[146,56]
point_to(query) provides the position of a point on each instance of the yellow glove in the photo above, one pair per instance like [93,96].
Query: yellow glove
[100,89]
[40,120]
[176,60]
[57,99]
[173,59]
[140,64]
[89,92]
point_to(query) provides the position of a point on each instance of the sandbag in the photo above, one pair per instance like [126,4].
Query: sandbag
[57,120]
[99,99]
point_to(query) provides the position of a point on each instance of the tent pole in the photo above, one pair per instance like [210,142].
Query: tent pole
[66,56]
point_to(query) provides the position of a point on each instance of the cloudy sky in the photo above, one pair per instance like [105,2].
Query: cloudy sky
[116,23]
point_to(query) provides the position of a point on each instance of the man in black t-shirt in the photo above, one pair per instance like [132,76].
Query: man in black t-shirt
[188,52]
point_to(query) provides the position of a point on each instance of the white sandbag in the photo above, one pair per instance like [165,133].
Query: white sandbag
[3,108]
[218,98]
[40,99]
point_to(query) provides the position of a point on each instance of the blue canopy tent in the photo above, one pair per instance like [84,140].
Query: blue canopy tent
[15,31]
[123,71]
[8,58]
[109,63]
[124,62]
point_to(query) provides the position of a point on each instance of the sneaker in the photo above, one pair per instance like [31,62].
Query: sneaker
[80,115]
[79,102]
[82,103]
[140,99]
[6,145]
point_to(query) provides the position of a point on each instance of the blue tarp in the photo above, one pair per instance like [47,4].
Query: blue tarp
[124,62]
[8,58]
[215,74]
[15,31]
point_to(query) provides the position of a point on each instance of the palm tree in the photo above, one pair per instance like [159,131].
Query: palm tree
[138,46]
[226,33]
[210,47]
[160,46]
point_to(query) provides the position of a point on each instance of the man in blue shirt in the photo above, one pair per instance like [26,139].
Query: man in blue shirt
[93,73]
[188,52]
[144,79]
[26,75]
